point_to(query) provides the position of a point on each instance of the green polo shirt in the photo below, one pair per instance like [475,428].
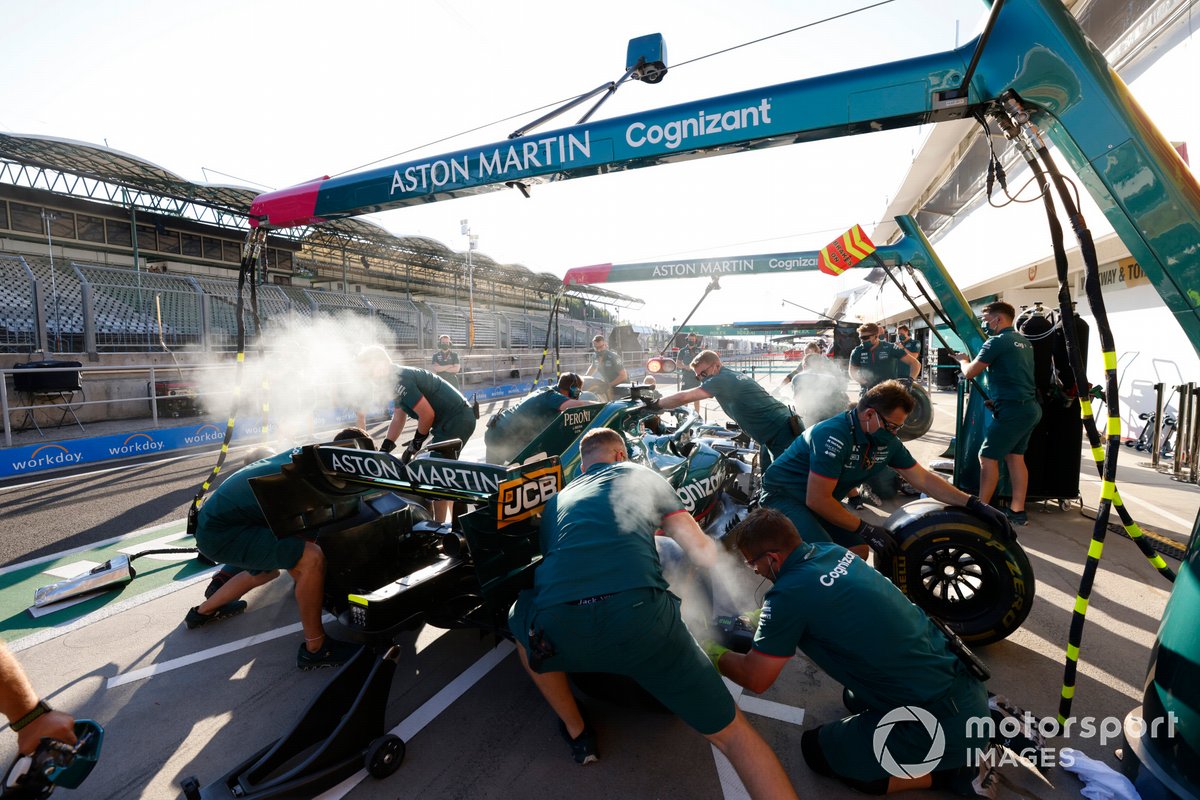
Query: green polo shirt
[856,626]
[233,502]
[837,448]
[518,426]
[879,363]
[761,416]
[1009,359]
[683,361]
[413,383]
[607,364]
[597,535]
[911,345]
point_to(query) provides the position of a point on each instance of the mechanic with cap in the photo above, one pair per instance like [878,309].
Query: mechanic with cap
[1008,358]
[807,483]
[763,418]
[874,361]
[600,604]
[446,364]
[864,633]
[683,358]
[510,430]
[440,410]
[607,366]
[232,528]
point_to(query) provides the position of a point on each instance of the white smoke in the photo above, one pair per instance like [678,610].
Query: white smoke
[304,369]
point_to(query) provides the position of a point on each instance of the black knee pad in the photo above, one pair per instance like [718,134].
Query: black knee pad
[810,748]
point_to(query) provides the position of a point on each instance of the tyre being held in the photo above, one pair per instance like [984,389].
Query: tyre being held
[956,567]
[921,418]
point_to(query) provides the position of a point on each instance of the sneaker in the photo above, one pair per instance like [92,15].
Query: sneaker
[583,746]
[195,619]
[856,502]
[333,653]
[1017,518]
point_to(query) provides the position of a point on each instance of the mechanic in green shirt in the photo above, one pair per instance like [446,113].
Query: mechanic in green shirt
[1008,358]
[608,368]
[807,483]
[874,361]
[864,633]
[683,360]
[440,410]
[905,339]
[763,418]
[232,528]
[600,604]
[511,429]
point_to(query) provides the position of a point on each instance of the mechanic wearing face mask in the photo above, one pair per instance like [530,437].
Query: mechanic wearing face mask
[446,364]
[508,431]
[850,621]
[807,483]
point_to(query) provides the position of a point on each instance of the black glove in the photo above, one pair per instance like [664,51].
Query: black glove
[906,383]
[652,405]
[994,517]
[388,446]
[880,539]
[408,454]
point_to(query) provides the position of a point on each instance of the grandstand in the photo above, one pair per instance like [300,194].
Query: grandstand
[105,253]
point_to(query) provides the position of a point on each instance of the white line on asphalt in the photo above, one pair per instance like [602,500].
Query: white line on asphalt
[1156,509]
[204,655]
[85,547]
[771,709]
[73,570]
[430,709]
[34,639]
[732,787]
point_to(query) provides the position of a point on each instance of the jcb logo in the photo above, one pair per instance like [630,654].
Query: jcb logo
[523,497]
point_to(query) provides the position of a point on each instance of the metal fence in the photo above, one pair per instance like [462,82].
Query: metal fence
[47,399]
[71,306]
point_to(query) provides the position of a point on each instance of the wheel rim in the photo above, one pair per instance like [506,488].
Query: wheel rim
[957,581]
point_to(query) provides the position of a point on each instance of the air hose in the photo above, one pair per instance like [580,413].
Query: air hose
[1012,122]
[552,325]
[928,324]
[250,253]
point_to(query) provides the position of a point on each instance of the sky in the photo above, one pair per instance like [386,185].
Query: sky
[270,94]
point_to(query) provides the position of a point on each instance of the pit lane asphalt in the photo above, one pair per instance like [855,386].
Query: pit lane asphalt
[178,703]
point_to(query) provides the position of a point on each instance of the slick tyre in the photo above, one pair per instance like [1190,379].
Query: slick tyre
[921,418]
[955,567]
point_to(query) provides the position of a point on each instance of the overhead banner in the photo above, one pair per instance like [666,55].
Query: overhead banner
[845,251]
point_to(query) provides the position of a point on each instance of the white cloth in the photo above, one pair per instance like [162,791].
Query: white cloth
[1100,781]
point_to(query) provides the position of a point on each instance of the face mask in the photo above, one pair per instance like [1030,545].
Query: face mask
[574,392]
[987,329]
[443,345]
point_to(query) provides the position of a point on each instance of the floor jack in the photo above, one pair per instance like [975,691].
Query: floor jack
[341,731]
